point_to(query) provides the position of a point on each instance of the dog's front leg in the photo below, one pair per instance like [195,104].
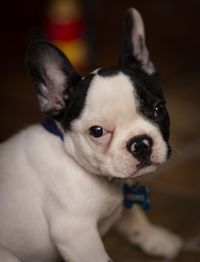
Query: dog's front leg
[79,241]
[152,239]
[7,256]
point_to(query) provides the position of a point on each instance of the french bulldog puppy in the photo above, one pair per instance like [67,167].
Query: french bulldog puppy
[61,183]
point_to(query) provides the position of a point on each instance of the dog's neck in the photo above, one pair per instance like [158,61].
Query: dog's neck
[51,126]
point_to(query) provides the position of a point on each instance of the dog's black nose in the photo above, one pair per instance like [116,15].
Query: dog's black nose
[141,148]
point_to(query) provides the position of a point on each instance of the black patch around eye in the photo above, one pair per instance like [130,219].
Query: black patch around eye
[157,115]
[159,112]
[149,93]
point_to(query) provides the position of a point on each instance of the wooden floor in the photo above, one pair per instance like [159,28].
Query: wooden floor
[175,189]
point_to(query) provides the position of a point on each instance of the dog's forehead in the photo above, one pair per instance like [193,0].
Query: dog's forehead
[111,96]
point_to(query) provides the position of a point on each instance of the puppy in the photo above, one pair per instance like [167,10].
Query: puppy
[58,193]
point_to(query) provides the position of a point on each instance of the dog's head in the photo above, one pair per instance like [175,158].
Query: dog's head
[114,120]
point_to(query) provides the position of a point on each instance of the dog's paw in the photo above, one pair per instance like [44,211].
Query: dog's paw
[158,241]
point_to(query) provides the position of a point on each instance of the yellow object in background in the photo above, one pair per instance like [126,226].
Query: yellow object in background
[76,51]
[65,28]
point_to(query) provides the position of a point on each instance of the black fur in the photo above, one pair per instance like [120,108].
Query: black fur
[39,55]
[77,96]
[148,89]
[34,61]
[108,71]
[150,94]
[127,57]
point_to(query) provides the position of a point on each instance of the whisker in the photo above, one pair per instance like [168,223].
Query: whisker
[179,153]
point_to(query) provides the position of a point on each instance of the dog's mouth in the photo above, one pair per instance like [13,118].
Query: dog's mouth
[144,163]
[144,168]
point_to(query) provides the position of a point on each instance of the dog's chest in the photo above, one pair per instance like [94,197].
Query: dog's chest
[73,190]
[110,200]
[106,204]
[110,208]
[97,196]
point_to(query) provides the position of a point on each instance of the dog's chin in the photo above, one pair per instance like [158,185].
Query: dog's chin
[145,170]
[135,175]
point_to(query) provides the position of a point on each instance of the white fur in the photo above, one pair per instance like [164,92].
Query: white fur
[45,197]
[115,98]
[52,202]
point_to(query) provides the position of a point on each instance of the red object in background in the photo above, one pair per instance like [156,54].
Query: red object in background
[65,27]
[68,31]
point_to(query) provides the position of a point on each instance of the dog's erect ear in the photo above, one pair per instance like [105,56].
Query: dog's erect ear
[52,74]
[134,48]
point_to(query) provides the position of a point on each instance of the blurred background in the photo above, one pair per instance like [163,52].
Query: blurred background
[90,32]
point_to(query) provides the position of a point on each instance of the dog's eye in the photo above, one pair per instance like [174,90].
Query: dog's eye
[97,131]
[159,112]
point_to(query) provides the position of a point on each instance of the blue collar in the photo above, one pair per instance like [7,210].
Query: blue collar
[51,127]
[132,195]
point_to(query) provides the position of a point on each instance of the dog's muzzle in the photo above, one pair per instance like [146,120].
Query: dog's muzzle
[141,148]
